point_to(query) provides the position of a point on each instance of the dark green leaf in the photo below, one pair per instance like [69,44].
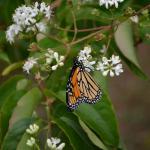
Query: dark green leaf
[92,136]
[8,87]
[48,43]
[68,122]
[15,133]
[7,109]
[100,118]
[4,57]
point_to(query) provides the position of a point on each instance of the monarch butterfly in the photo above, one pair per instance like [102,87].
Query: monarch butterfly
[81,87]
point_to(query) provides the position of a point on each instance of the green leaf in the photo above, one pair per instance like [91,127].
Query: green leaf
[6,5]
[92,136]
[7,109]
[22,144]
[26,105]
[8,87]
[22,84]
[68,122]
[132,66]
[4,57]
[48,43]
[124,40]
[101,119]
[15,133]
[11,68]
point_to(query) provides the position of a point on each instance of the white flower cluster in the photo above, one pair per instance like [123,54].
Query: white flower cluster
[111,66]
[54,144]
[54,56]
[33,128]
[52,59]
[109,3]
[26,19]
[86,58]
[28,65]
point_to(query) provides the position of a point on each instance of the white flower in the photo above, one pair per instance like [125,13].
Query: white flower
[89,65]
[54,144]
[28,65]
[59,61]
[108,3]
[54,56]
[25,19]
[135,19]
[85,53]
[49,56]
[115,59]
[85,58]
[118,69]
[12,31]
[33,128]
[111,66]
[61,146]
[25,16]
[46,10]
[104,49]
[41,26]
[31,142]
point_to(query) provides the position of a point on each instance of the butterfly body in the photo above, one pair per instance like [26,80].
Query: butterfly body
[81,87]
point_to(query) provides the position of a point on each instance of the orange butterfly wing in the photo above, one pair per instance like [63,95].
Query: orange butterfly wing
[81,87]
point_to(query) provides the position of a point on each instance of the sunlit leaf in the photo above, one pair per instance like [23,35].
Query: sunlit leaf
[7,109]
[11,68]
[125,42]
[26,105]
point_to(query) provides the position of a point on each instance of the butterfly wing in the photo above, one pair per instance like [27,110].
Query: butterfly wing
[73,94]
[81,87]
[90,90]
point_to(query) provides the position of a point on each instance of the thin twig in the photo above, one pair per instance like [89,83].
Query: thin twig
[75,26]
[140,10]
[83,30]
[88,36]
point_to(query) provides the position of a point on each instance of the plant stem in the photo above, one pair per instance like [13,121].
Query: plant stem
[75,26]
[88,36]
